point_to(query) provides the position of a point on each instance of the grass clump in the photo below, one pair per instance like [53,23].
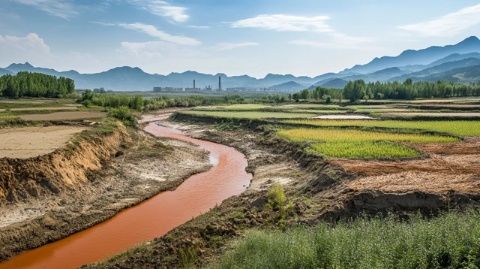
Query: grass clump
[461,128]
[449,241]
[123,114]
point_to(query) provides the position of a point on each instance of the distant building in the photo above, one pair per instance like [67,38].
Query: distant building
[167,89]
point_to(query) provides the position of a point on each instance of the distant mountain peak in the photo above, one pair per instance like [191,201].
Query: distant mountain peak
[471,39]
[20,65]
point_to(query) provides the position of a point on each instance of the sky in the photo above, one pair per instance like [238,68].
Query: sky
[253,37]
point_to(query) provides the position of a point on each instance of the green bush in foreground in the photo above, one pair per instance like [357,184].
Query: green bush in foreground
[449,241]
[124,114]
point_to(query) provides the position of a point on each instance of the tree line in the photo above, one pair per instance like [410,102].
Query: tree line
[358,89]
[140,103]
[317,94]
[408,90]
[25,84]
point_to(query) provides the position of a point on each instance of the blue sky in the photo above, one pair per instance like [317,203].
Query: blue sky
[254,37]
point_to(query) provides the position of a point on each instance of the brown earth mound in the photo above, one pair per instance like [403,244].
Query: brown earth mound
[63,169]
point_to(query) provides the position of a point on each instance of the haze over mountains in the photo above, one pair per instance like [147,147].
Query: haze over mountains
[459,63]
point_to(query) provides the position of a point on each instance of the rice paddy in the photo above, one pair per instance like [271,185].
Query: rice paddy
[359,144]
[368,137]
[250,114]
[350,135]
[364,150]
[460,128]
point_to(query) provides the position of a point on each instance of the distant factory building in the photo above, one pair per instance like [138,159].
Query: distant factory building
[167,89]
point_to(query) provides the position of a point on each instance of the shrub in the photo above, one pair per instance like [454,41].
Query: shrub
[124,114]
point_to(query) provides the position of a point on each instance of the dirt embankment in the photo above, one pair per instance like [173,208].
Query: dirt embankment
[64,169]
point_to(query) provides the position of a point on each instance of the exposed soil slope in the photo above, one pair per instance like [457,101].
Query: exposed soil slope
[64,169]
[135,171]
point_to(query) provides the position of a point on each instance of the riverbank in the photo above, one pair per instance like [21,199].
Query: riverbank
[141,167]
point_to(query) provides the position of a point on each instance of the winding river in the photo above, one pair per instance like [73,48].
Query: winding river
[151,218]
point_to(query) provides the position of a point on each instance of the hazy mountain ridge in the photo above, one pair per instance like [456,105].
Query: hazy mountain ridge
[449,62]
[418,57]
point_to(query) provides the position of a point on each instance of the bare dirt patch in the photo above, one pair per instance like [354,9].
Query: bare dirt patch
[27,142]
[418,181]
[64,116]
[452,167]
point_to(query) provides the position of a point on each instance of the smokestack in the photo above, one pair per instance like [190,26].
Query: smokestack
[194,84]
[220,83]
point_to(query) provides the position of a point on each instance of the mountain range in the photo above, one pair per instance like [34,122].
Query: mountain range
[459,63]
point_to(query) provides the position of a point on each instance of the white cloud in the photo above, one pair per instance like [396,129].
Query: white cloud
[23,48]
[201,27]
[286,23]
[149,48]
[164,9]
[338,41]
[230,46]
[449,24]
[154,32]
[60,8]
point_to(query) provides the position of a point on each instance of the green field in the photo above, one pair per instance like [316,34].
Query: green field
[249,114]
[364,150]
[359,144]
[448,241]
[350,135]
[237,107]
[461,128]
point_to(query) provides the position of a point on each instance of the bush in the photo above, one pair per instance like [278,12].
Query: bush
[124,114]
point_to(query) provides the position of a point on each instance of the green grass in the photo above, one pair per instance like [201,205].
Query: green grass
[7,116]
[312,106]
[364,150]
[237,107]
[351,135]
[461,128]
[449,241]
[358,144]
[250,114]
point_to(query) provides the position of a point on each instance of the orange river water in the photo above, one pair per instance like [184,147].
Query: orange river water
[151,218]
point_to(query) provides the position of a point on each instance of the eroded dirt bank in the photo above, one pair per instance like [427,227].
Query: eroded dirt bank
[97,179]
[317,190]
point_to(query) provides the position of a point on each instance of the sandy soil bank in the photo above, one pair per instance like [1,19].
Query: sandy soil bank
[26,142]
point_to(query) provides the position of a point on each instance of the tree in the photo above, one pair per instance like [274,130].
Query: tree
[355,90]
